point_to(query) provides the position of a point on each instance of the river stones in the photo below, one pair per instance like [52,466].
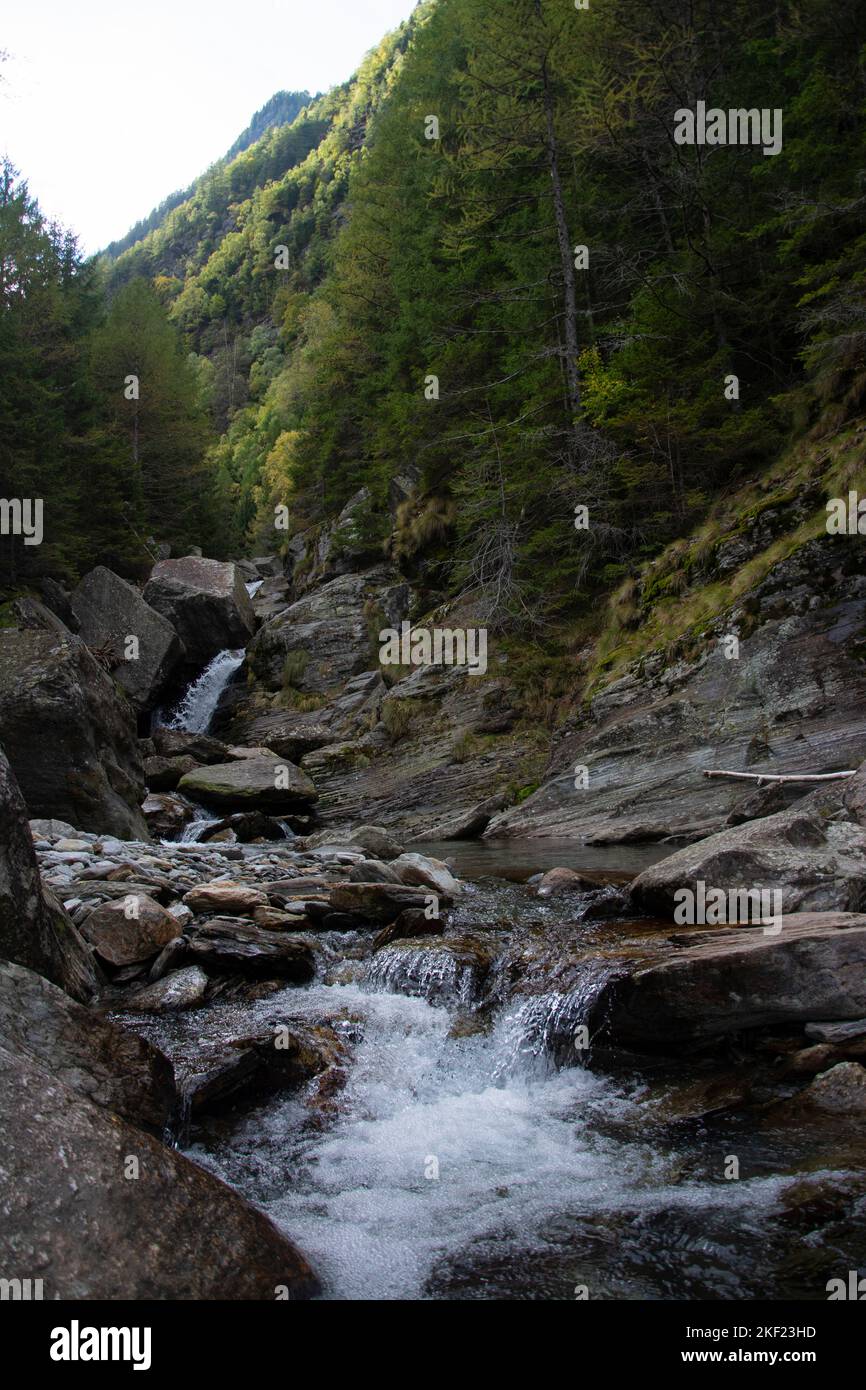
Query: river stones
[422,871]
[558,881]
[225,897]
[72,1212]
[260,783]
[132,929]
[35,931]
[377,902]
[104,1063]
[182,989]
[841,1090]
[109,612]
[166,814]
[226,945]
[373,871]
[69,734]
[206,603]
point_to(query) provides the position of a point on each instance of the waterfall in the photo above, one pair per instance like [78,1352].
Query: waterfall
[196,707]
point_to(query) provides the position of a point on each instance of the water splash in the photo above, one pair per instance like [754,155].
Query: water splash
[439,976]
[197,706]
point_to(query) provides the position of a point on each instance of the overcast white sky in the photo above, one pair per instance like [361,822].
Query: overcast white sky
[108,106]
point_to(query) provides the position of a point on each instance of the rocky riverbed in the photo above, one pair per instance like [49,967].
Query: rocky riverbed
[288,1020]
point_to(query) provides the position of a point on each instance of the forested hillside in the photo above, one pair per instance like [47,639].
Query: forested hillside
[565,378]
[484,265]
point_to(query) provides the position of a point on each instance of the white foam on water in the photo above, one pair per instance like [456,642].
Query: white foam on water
[198,705]
[514,1152]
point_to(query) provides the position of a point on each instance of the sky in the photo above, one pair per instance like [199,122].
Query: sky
[108,106]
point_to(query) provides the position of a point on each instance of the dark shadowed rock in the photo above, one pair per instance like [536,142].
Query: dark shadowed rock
[182,989]
[166,814]
[34,929]
[109,611]
[379,902]
[741,977]
[206,603]
[226,945]
[73,1216]
[182,743]
[109,1066]
[163,774]
[69,734]
[283,1059]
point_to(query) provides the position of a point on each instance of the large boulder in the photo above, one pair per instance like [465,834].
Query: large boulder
[109,612]
[720,982]
[813,854]
[108,1065]
[253,783]
[69,734]
[326,634]
[34,929]
[206,603]
[93,1224]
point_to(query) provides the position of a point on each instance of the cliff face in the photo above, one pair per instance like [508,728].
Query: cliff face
[792,701]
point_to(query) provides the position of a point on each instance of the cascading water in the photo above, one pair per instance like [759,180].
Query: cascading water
[197,706]
[453,1170]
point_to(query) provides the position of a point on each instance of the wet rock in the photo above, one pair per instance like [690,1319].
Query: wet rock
[109,611]
[284,1059]
[260,783]
[246,826]
[120,939]
[71,1215]
[223,944]
[206,603]
[377,902]
[69,734]
[558,881]
[173,952]
[182,989]
[841,1090]
[740,977]
[422,871]
[224,897]
[412,922]
[113,1068]
[813,856]
[35,931]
